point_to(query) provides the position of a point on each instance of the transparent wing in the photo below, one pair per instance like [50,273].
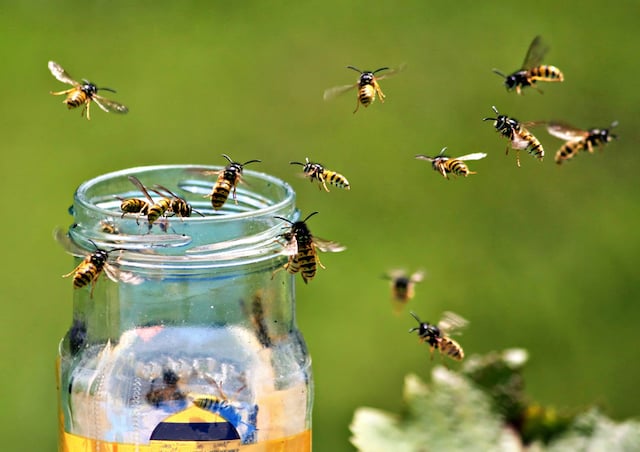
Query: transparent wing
[115,274]
[452,323]
[291,247]
[392,72]
[109,106]
[536,52]
[519,143]
[62,237]
[565,131]
[62,75]
[417,276]
[337,90]
[135,181]
[328,246]
[474,156]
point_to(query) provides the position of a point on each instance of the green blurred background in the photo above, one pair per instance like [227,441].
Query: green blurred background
[540,257]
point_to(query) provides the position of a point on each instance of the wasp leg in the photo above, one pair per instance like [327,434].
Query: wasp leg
[60,93]
[380,93]
[357,104]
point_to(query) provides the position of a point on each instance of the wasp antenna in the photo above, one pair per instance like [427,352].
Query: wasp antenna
[424,157]
[227,157]
[381,69]
[501,74]
[493,107]
[107,89]
[442,151]
[309,216]
[251,161]
[489,119]
[354,68]
[284,219]
[296,163]
[413,314]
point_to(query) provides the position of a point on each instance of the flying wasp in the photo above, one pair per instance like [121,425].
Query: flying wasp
[93,264]
[315,171]
[532,71]
[403,286]
[579,140]
[456,166]
[228,179]
[437,335]
[83,93]
[520,137]
[367,84]
[302,249]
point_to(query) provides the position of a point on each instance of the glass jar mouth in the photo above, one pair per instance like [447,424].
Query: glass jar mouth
[244,228]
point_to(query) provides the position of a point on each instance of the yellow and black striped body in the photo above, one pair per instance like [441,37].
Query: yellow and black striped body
[305,260]
[317,172]
[402,288]
[158,210]
[450,348]
[210,403]
[446,165]
[545,73]
[180,207]
[368,87]
[227,181]
[89,270]
[80,95]
[593,138]
[521,79]
[134,205]
[520,137]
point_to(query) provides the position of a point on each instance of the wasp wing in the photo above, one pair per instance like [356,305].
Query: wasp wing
[565,131]
[474,156]
[328,246]
[417,276]
[135,181]
[337,90]
[536,52]
[392,72]
[291,247]
[71,247]
[116,275]
[451,323]
[58,72]
[109,106]
[519,143]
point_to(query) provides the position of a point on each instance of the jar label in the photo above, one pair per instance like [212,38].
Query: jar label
[296,443]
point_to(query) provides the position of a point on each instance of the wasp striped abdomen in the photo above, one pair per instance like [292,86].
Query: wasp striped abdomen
[546,73]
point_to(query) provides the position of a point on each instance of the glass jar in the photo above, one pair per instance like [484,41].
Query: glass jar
[188,341]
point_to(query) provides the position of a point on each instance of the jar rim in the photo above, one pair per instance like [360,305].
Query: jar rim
[246,230]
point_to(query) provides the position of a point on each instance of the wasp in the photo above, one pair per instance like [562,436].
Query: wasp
[89,270]
[108,227]
[445,165]
[520,137]
[228,179]
[367,84]
[437,335]
[154,210]
[579,140]
[164,390]
[83,93]
[134,205]
[255,311]
[177,205]
[302,249]
[315,171]
[531,71]
[403,286]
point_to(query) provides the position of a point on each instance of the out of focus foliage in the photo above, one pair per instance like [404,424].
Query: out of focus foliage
[484,407]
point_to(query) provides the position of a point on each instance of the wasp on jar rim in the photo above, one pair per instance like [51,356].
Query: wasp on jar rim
[154,210]
[367,84]
[518,135]
[93,264]
[578,139]
[403,286]
[177,205]
[532,71]
[456,166]
[437,336]
[302,249]
[316,171]
[83,93]
[228,179]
